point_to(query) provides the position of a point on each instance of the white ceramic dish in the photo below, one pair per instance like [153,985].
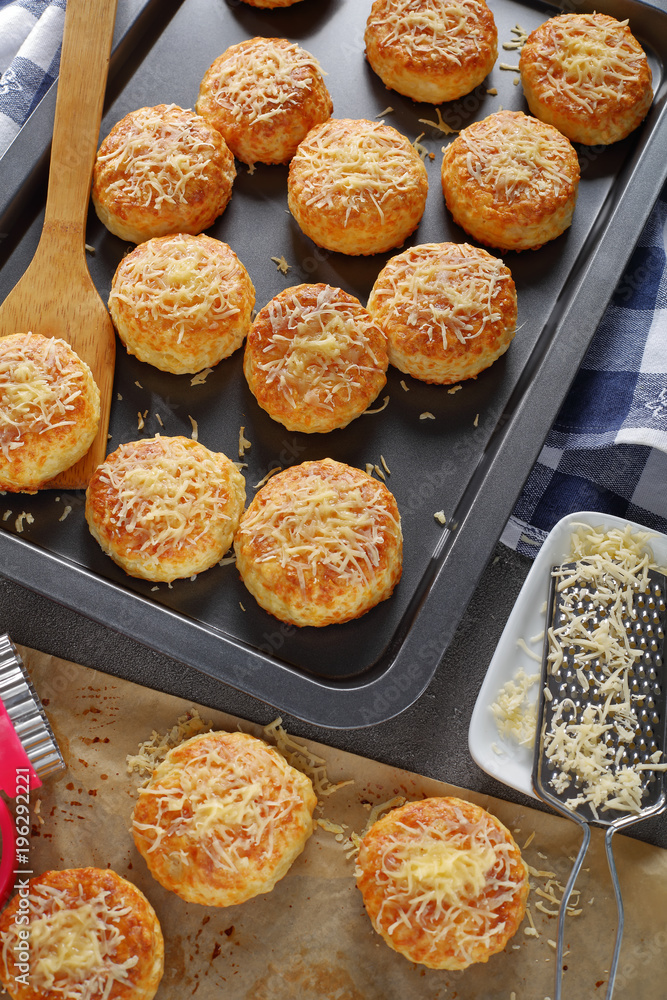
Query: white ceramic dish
[504,760]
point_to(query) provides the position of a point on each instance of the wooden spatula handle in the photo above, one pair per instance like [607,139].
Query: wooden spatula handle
[86,45]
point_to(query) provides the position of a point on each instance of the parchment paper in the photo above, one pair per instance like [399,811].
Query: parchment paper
[310,939]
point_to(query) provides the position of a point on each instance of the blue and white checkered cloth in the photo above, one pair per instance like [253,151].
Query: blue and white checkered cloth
[607,449]
[30,39]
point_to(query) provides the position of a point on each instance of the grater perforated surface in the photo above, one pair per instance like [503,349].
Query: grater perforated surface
[586,685]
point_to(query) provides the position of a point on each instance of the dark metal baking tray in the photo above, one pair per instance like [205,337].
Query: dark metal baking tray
[470,460]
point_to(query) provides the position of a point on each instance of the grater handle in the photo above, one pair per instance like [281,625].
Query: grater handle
[619,906]
[586,830]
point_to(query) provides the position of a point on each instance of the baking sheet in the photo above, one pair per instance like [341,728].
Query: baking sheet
[469,460]
[310,936]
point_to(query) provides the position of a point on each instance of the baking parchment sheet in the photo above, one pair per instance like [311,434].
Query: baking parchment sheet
[310,939]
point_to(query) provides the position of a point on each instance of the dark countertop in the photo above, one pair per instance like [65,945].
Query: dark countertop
[430,737]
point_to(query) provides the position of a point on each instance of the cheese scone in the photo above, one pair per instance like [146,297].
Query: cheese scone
[314,359]
[165,508]
[223,818]
[181,302]
[81,933]
[588,75]
[511,181]
[356,186]
[161,170]
[431,50]
[264,95]
[49,410]
[320,543]
[443,882]
[448,310]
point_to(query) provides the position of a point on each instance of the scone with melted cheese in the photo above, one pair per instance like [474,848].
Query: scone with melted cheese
[314,359]
[165,508]
[448,310]
[356,186]
[264,95]
[321,543]
[223,818]
[90,933]
[587,75]
[161,170]
[181,302]
[49,410]
[511,181]
[443,882]
[431,50]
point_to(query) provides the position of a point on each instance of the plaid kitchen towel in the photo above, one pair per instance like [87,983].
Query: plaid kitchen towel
[607,449]
[30,38]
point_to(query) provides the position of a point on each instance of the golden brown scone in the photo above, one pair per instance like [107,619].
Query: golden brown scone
[430,50]
[588,75]
[264,95]
[321,543]
[165,508]
[314,359]
[443,882]
[181,302]
[356,186]
[49,410]
[161,170]
[511,181]
[89,933]
[222,818]
[448,310]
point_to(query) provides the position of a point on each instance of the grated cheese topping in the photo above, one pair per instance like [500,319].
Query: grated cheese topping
[262,78]
[319,528]
[180,283]
[427,27]
[516,158]
[40,382]
[318,353]
[215,802]
[588,59]
[166,152]
[303,759]
[591,740]
[165,495]
[73,944]
[341,164]
[449,296]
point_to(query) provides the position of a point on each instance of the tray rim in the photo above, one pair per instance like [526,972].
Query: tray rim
[484,508]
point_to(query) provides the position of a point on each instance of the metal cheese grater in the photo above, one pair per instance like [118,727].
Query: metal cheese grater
[577,684]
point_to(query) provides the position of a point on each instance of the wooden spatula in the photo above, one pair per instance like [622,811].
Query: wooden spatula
[56,296]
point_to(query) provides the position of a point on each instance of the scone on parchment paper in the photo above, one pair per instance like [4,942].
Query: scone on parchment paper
[448,309]
[429,50]
[443,882]
[165,508]
[49,410]
[320,544]
[222,818]
[314,358]
[511,181]
[161,170]
[588,75]
[88,933]
[357,186]
[264,95]
[181,303]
